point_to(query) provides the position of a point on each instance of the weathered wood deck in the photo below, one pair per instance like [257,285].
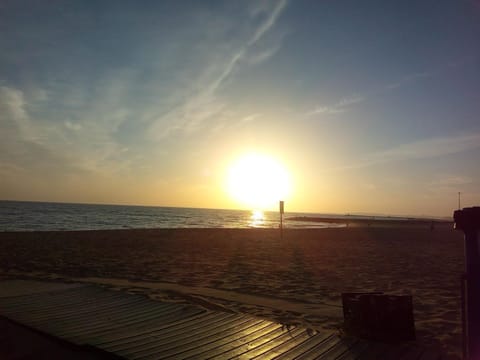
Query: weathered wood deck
[135,327]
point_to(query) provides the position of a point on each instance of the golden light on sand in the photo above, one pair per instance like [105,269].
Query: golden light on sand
[258,181]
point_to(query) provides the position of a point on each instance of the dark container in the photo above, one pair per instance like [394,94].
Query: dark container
[376,316]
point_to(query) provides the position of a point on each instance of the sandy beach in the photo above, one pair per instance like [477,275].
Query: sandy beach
[294,280]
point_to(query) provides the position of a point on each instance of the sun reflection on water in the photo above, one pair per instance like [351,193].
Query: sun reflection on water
[257,218]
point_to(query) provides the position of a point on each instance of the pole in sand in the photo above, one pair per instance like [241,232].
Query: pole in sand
[281,218]
[468,220]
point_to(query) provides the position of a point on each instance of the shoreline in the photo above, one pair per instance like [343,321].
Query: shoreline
[294,280]
[374,221]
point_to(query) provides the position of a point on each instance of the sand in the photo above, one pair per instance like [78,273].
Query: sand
[294,280]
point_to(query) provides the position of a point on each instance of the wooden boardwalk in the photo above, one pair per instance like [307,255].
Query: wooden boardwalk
[134,327]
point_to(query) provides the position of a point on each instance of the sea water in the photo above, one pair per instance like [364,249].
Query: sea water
[35,216]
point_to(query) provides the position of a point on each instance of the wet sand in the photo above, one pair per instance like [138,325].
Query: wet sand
[294,280]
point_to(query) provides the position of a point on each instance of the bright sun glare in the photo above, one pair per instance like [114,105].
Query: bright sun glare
[258,181]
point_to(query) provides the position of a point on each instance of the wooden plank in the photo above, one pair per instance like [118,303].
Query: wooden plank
[260,351]
[231,342]
[125,336]
[165,333]
[19,342]
[70,313]
[319,349]
[180,340]
[287,345]
[86,331]
[305,346]
[18,288]
[39,309]
[342,346]
[216,339]
[139,328]
[133,308]
[72,324]
[48,301]
[241,351]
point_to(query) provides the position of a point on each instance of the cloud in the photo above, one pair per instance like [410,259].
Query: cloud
[339,107]
[197,108]
[24,147]
[263,55]
[271,19]
[36,138]
[346,103]
[423,149]
[13,114]
[450,184]
[272,16]
[250,118]
[451,180]
[430,148]
[408,79]
[72,126]
[343,105]
[118,118]
[435,71]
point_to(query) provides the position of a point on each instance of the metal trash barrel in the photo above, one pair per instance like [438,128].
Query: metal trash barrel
[376,316]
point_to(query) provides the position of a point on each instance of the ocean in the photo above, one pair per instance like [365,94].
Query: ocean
[44,216]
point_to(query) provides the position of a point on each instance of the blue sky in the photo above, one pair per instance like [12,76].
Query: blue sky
[372,107]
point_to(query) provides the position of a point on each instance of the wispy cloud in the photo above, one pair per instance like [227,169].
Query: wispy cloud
[105,123]
[72,126]
[423,149]
[256,58]
[451,180]
[339,107]
[33,139]
[250,118]
[408,79]
[412,78]
[12,111]
[272,16]
[271,19]
[430,148]
[444,184]
[344,104]
[196,109]
[25,143]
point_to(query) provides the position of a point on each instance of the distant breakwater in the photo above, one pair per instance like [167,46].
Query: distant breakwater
[367,221]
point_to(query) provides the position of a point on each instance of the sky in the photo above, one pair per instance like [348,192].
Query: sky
[371,107]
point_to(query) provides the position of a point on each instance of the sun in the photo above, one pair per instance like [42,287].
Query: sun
[258,181]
